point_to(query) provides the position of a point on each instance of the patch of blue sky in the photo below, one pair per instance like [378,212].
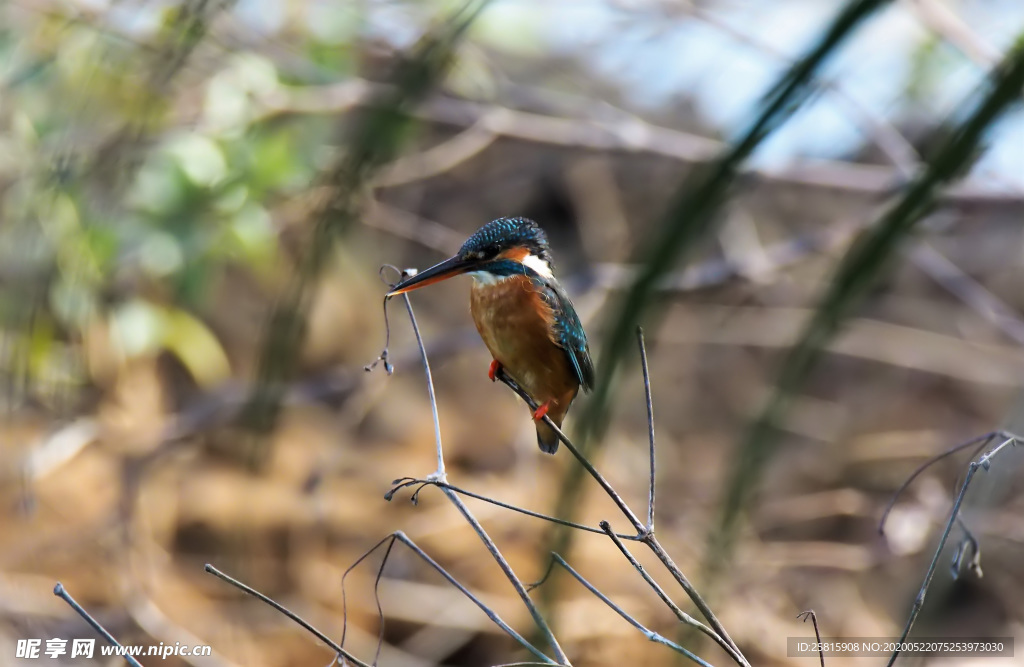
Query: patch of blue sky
[685,59]
[657,62]
[568,26]
[1002,165]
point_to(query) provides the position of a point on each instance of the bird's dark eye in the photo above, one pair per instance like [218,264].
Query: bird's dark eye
[487,252]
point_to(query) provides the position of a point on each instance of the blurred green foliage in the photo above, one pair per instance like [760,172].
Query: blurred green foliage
[374,141]
[163,166]
[127,197]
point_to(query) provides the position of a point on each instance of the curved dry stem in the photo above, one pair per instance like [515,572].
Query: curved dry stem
[407,482]
[63,594]
[439,476]
[680,614]
[817,635]
[605,484]
[643,535]
[650,426]
[390,540]
[415,548]
[287,612]
[650,634]
[980,441]
[404,539]
[982,462]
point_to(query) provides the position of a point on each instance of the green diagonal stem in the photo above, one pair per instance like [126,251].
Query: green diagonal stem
[689,217]
[375,141]
[694,209]
[856,274]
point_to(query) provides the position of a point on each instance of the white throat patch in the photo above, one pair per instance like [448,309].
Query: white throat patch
[539,265]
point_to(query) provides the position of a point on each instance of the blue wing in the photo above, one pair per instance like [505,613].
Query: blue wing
[569,331]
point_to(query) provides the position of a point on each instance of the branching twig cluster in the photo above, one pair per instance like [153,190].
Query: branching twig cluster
[985,452]
[643,533]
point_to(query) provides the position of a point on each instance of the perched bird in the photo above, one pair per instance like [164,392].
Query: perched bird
[523,315]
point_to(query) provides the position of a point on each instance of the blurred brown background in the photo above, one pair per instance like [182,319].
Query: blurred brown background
[161,169]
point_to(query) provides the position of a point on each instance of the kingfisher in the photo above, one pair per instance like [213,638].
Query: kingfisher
[523,315]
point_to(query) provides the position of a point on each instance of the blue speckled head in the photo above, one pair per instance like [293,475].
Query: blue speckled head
[505,233]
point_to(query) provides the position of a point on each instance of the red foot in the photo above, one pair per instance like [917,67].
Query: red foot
[539,413]
[492,372]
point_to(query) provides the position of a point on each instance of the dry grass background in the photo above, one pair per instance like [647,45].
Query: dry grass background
[124,492]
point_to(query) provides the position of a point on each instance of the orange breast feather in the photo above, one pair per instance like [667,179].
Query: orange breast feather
[517,326]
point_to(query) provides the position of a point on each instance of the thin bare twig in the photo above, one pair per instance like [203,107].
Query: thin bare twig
[654,545]
[980,441]
[510,575]
[544,577]
[680,614]
[287,612]
[344,588]
[817,635]
[650,634]
[650,426]
[406,482]
[459,505]
[63,594]
[643,533]
[390,539]
[438,474]
[983,462]
[415,548]
[647,538]
[605,484]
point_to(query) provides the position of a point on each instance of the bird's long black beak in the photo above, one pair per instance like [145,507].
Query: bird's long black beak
[435,274]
